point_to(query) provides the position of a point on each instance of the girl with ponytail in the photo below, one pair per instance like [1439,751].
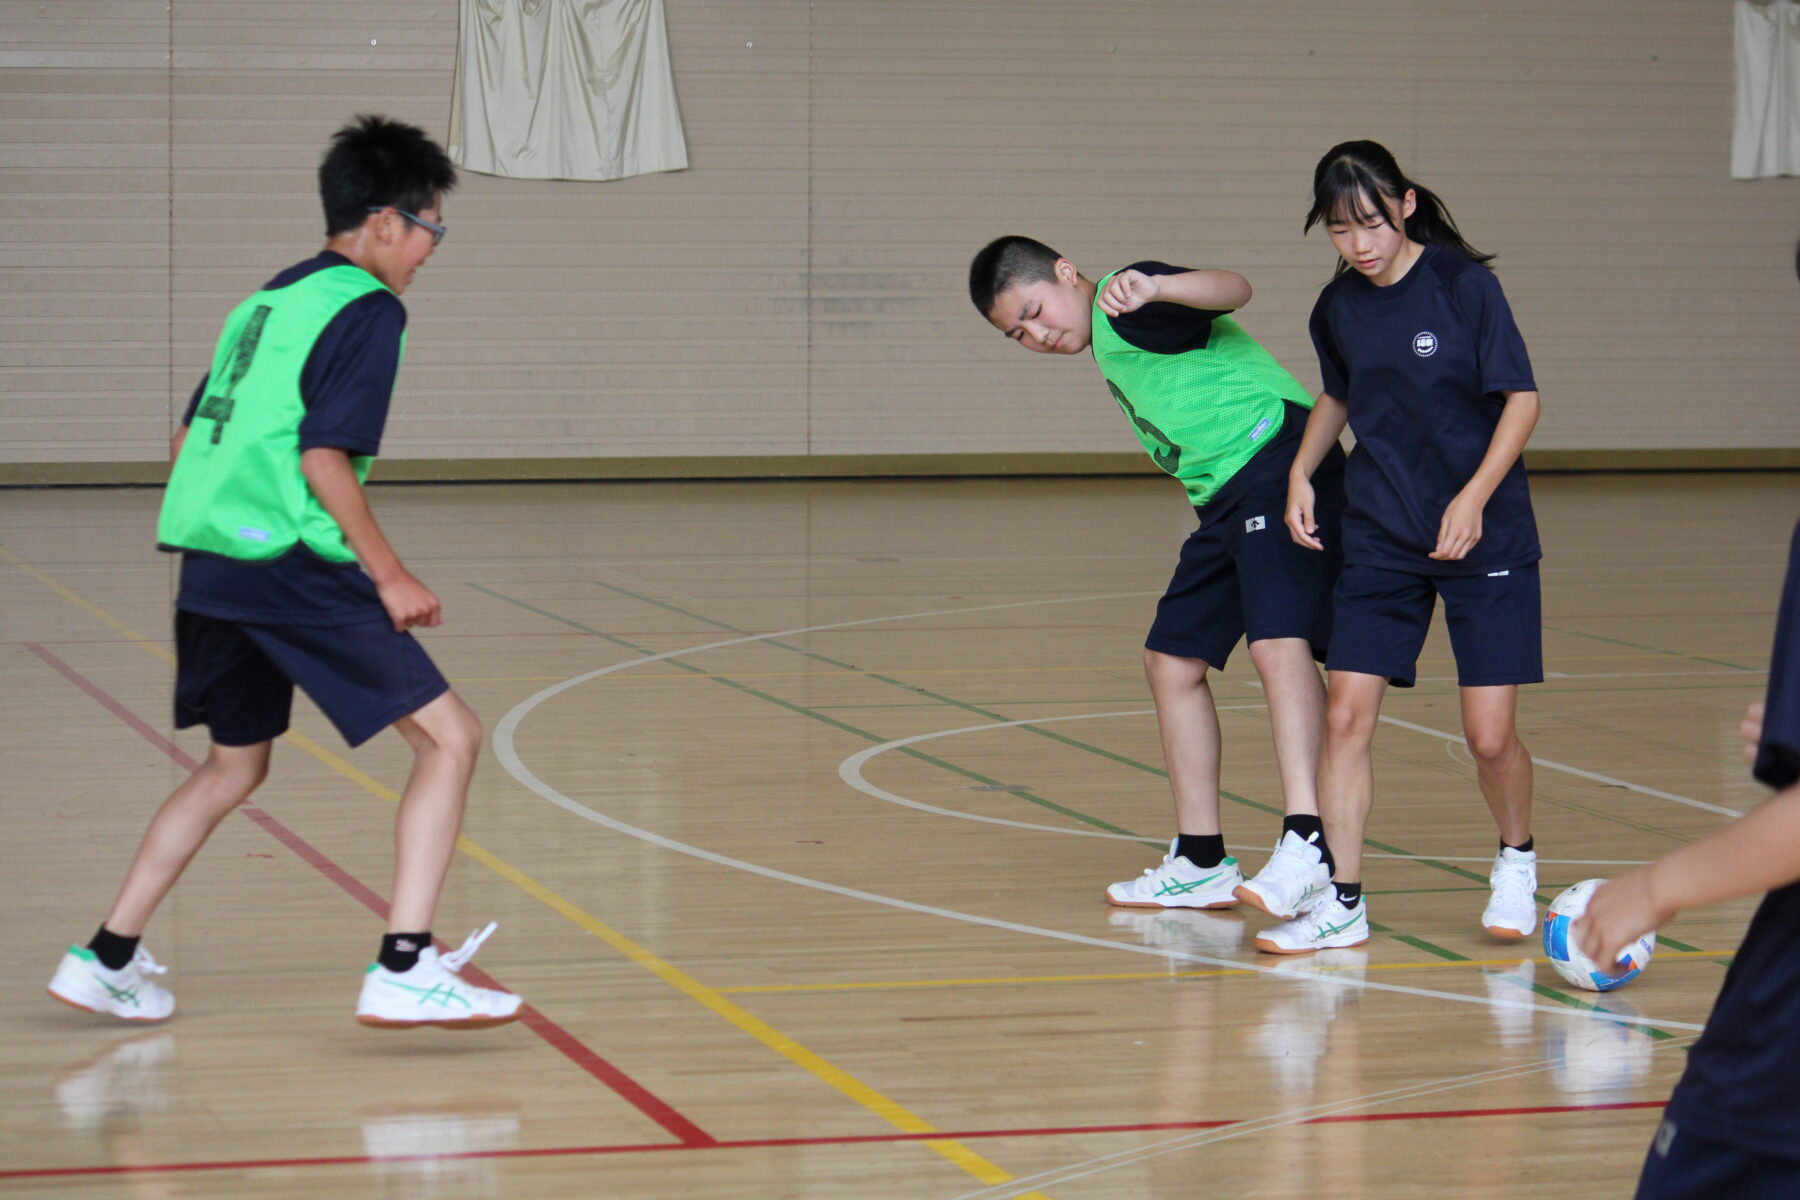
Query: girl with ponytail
[1420,357]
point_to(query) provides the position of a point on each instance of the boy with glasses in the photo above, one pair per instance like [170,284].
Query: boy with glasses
[267,508]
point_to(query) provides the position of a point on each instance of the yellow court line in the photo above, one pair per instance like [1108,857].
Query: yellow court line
[888,1110]
[1140,976]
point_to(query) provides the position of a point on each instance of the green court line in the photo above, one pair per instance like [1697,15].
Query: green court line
[1084,818]
[1076,743]
[1041,801]
[952,701]
[1595,637]
[1561,997]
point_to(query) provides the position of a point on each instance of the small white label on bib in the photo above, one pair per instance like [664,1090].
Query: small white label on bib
[254,535]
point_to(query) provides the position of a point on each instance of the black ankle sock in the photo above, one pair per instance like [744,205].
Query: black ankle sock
[1525,848]
[1201,849]
[112,950]
[1349,894]
[1307,827]
[400,951]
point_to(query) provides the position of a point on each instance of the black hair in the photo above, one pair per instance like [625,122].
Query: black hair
[1351,180]
[375,162]
[1005,263]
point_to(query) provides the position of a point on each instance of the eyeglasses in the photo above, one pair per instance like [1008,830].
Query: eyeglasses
[436,231]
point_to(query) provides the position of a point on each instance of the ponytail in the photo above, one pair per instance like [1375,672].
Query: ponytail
[1352,176]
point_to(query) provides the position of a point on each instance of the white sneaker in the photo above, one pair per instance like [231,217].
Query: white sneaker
[1178,883]
[83,981]
[1511,911]
[1292,881]
[433,994]
[1328,925]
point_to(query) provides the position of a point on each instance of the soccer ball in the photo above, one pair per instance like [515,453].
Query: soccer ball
[1566,956]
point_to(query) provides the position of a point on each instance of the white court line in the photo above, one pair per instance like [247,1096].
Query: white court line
[1124,1158]
[851,772]
[506,751]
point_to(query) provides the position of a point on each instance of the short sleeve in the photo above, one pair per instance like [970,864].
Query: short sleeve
[1163,327]
[1500,350]
[349,377]
[1334,373]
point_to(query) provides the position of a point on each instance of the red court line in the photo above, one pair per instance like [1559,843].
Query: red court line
[558,1038]
[778,1143]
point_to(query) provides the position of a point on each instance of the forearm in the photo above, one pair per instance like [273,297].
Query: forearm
[1213,290]
[1514,429]
[1323,427]
[333,480]
[1754,854]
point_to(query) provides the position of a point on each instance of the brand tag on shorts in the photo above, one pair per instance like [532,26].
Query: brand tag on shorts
[1498,574]
[1255,523]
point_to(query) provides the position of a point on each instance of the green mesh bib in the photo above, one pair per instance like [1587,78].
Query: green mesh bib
[1201,414]
[237,489]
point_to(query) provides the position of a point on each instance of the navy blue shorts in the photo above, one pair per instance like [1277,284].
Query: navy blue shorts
[1681,1166]
[1380,618]
[238,679]
[1241,575]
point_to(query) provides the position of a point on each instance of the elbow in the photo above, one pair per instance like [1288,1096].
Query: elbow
[320,462]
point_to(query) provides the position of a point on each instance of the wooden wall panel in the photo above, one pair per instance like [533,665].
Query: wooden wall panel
[799,291]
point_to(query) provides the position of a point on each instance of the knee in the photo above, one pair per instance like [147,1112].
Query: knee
[1348,724]
[237,773]
[461,736]
[1173,671]
[1491,747]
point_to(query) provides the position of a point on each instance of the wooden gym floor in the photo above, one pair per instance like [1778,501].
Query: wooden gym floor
[799,807]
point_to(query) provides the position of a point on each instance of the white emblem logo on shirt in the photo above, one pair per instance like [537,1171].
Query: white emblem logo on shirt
[1425,344]
[1254,524]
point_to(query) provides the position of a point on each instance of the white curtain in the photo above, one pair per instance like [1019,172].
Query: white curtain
[565,89]
[1765,130]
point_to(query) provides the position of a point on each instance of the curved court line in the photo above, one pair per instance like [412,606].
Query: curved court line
[1593,776]
[1296,1116]
[850,771]
[506,751]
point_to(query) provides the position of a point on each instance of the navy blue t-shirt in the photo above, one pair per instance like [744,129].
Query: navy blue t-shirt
[345,385]
[1739,1084]
[1421,364]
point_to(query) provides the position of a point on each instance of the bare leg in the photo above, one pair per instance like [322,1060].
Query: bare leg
[1346,766]
[1190,738]
[1502,764]
[446,739]
[181,826]
[1296,716]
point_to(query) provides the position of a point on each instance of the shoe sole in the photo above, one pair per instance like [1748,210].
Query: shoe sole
[1249,896]
[1217,904]
[442,1023]
[1268,947]
[1508,935]
[102,1012]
